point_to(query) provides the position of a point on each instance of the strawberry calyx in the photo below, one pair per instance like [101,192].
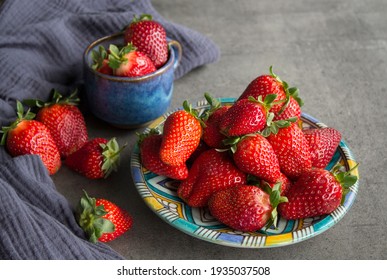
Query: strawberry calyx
[345,178]
[20,117]
[142,17]
[275,200]
[90,218]
[289,91]
[193,112]
[117,55]
[98,57]
[272,127]
[111,156]
[214,103]
[57,98]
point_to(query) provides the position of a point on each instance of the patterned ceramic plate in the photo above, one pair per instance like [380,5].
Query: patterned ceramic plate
[159,193]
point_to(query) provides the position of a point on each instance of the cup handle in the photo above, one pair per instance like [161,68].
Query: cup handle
[178,51]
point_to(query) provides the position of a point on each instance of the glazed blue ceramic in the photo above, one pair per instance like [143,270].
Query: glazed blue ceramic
[129,102]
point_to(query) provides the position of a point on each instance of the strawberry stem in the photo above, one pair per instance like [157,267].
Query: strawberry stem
[111,156]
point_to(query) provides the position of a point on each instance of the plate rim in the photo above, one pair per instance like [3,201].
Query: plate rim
[252,241]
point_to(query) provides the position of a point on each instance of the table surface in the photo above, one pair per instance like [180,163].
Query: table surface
[335,52]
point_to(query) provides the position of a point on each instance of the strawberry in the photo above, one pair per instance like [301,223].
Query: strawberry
[150,144]
[101,61]
[181,135]
[292,150]
[287,103]
[26,136]
[212,117]
[101,219]
[316,192]
[254,155]
[149,37]
[245,207]
[246,116]
[128,62]
[323,143]
[64,120]
[211,171]
[96,159]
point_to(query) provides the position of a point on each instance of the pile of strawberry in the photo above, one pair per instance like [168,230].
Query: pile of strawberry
[145,50]
[250,161]
[58,132]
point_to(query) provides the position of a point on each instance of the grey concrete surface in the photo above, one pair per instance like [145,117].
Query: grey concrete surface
[336,53]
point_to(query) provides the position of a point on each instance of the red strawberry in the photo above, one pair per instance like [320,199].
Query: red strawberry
[128,62]
[96,159]
[246,116]
[254,155]
[211,171]
[101,61]
[272,84]
[26,136]
[245,207]
[181,136]
[211,131]
[64,120]
[149,37]
[323,143]
[149,148]
[316,192]
[101,219]
[292,150]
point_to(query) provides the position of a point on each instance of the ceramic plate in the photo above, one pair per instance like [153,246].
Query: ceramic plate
[159,193]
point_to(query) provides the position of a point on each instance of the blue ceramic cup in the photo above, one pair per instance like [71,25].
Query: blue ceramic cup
[129,102]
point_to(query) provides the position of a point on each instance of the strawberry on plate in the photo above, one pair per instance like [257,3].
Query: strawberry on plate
[323,143]
[292,150]
[96,159]
[245,207]
[101,219]
[272,84]
[64,120]
[150,144]
[26,136]
[316,192]
[149,37]
[181,135]
[128,62]
[210,172]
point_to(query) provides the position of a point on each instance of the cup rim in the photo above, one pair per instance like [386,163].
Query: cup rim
[158,72]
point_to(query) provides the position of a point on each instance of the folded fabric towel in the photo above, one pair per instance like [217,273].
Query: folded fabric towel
[41,47]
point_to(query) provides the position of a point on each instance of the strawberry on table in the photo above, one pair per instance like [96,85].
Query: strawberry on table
[211,171]
[26,136]
[96,159]
[292,150]
[64,120]
[149,36]
[128,62]
[181,135]
[323,143]
[245,207]
[316,192]
[150,144]
[101,219]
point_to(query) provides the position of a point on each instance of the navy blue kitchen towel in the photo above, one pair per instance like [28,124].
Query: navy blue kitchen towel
[41,47]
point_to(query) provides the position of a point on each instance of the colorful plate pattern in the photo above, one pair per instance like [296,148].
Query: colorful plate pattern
[159,193]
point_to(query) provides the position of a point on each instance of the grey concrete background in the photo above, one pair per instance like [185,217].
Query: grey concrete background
[336,53]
